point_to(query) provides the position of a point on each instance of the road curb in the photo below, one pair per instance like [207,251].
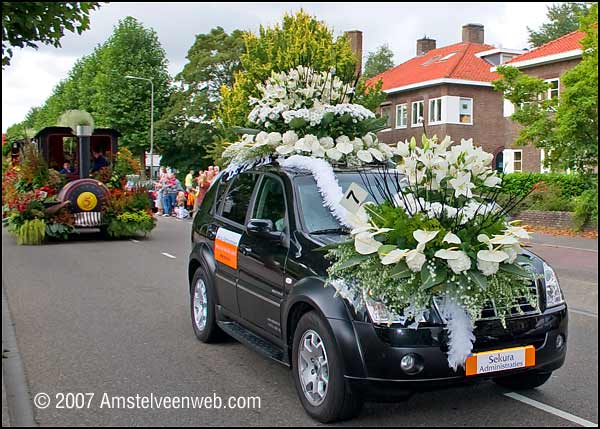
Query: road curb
[18,395]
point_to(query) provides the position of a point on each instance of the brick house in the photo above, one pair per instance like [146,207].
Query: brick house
[548,62]
[448,91]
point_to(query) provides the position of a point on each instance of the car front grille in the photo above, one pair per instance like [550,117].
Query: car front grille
[521,307]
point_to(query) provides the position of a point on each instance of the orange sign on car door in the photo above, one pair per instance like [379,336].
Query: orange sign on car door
[226,247]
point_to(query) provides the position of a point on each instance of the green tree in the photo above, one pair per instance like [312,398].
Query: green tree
[29,23]
[187,128]
[563,19]
[300,40]
[566,127]
[123,103]
[379,61]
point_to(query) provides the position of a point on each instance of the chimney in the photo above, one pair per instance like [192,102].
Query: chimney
[355,37]
[472,33]
[425,45]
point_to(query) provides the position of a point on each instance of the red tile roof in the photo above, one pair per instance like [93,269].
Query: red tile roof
[462,65]
[566,43]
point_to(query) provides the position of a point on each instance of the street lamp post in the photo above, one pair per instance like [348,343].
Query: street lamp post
[151,122]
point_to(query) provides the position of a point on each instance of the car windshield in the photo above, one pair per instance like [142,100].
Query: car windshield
[315,216]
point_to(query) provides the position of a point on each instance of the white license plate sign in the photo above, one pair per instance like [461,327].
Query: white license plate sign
[500,360]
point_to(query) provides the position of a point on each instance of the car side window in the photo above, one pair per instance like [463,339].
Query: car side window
[270,203]
[237,200]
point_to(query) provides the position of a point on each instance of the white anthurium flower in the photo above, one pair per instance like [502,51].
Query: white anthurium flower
[518,231]
[289,137]
[285,149]
[368,140]
[344,145]
[506,240]
[376,154]
[415,260]
[423,237]
[394,256]
[302,145]
[492,181]
[482,238]
[385,149]
[458,261]
[318,152]
[365,244]
[327,142]
[334,154]
[358,144]
[247,139]
[364,155]
[512,252]
[488,261]
[451,238]
[311,140]
[462,185]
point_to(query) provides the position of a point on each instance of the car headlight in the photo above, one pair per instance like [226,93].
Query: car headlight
[554,295]
[379,313]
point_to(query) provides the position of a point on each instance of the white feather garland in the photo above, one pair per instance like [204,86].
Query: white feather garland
[460,332]
[327,183]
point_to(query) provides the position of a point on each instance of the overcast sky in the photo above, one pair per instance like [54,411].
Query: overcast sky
[29,80]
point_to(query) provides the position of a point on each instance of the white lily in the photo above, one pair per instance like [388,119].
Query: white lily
[462,185]
[344,145]
[492,181]
[402,149]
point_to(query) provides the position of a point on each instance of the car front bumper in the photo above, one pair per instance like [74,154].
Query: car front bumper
[381,349]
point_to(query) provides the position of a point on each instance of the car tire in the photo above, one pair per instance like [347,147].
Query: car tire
[202,308]
[338,402]
[524,381]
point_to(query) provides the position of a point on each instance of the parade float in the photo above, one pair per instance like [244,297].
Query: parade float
[436,238]
[39,203]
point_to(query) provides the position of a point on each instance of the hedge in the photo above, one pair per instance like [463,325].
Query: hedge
[571,185]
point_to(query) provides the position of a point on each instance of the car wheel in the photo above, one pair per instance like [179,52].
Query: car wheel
[202,308]
[528,380]
[318,372]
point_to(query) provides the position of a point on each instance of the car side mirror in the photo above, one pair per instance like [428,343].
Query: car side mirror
[263,228]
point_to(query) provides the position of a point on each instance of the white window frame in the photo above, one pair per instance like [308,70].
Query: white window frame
[514,160]
[432,103]
[414,121]
[472,110]
[403,107]
[549,91]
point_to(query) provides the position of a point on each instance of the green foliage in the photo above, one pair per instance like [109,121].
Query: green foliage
[186,129]
[563,19]
[586,209]
[300,40]
[31,232]
[59,231]
[129,224]
[34,170]
[570,185]
[27,23]
[379,61]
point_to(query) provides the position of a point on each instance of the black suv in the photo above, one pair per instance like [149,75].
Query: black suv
[254,274]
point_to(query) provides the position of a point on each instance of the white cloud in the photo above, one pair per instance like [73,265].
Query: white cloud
[29,80]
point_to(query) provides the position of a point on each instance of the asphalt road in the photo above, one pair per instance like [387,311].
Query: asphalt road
[112,318]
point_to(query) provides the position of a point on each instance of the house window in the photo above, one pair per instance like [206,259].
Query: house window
[554,89]
[466,111]
[518,161]
[386,112]
[417,113]
[435,111]
[401,116]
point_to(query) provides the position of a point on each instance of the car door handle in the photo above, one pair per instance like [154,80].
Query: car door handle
[245,250]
